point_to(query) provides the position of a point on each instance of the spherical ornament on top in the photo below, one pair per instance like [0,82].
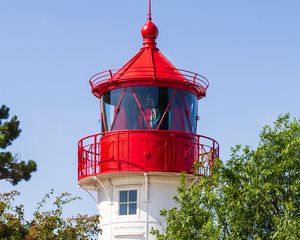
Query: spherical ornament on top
[149,30]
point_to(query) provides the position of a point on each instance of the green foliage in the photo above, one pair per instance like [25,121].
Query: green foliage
[255,195]
[44,225]
[190,219]
[11,168]
[50,225]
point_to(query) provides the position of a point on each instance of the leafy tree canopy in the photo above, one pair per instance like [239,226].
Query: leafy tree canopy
[50,225]
[254,195]
[11,169]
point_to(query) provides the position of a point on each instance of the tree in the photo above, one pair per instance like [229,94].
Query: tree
[191,219]
[11,169]
[254,195]
[48,225]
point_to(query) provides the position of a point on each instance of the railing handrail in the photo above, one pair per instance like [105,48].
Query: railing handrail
[108,75]
[204,151]
[149,130]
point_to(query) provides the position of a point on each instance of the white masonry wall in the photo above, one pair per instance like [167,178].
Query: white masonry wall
[154,193]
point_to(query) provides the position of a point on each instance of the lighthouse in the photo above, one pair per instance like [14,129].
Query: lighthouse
[149,114]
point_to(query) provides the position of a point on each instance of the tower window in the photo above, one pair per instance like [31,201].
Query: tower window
[128,202]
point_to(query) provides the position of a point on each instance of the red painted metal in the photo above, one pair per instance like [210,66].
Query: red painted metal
[148,149]
[167,109]
[149,76]
[118,108]
[149,33]
[149,67]
[102,116]
[141,108]
[144,150]
[149,10]
[187,111]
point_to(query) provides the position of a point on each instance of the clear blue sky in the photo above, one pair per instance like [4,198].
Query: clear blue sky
[249,50]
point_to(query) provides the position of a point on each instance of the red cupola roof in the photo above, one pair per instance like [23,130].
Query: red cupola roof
[149,63]
[149,67]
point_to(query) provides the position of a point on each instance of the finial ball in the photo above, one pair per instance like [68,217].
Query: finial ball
[149,30]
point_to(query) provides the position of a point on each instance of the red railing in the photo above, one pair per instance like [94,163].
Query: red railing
[156,73]
[146,150]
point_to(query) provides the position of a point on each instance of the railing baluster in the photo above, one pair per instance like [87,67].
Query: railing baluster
[118,150]
[205,151]
[111,76]
[95,154]
[195,77]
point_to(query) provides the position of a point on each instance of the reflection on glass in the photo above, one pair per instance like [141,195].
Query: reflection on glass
[123,196]
[110,102]
[123,209]
[145,108]
[132,195]
[132,208]
[127,202]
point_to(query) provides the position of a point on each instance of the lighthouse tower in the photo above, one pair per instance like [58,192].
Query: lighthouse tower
[149,114]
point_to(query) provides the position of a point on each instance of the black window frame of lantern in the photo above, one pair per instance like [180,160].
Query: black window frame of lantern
[143,107]
[125,202]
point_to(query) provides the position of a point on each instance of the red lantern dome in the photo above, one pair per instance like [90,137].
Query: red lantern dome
[149,67]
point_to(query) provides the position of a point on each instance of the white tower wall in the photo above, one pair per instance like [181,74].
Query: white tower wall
[155,192]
